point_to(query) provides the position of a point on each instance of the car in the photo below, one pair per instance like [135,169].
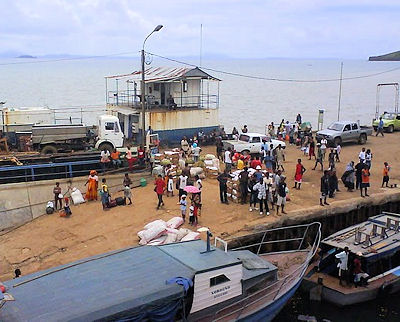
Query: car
[344,131]
[250,143]
[391,122]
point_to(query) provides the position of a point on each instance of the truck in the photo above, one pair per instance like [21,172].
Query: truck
[344,131]
[250,143]
[391,122]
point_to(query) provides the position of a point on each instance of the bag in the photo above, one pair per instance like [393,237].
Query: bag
[112,203]
[120,201]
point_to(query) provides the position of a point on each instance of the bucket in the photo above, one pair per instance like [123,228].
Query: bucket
[143,182]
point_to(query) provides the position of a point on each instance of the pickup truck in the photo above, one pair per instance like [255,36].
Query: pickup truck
[344,131]
[391,122]
[250,143]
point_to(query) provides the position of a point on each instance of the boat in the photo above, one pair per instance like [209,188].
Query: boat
[178,102]
[377,244]
[186,281]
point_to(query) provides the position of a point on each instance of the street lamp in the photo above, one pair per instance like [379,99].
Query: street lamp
[142,88]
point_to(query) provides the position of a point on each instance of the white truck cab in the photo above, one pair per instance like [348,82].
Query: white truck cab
[109,134]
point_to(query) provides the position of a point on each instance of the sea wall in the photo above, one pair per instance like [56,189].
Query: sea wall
[23,202]
[339,215]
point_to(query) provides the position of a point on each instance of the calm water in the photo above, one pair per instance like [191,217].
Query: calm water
[243,101]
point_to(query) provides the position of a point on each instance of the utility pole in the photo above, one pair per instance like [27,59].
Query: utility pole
[340,90]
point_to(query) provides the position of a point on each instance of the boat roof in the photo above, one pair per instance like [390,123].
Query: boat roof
[386,239]
[162,74]
[128,279]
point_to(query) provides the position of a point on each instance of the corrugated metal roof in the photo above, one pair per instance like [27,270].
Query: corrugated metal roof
[154,74]
[96,287]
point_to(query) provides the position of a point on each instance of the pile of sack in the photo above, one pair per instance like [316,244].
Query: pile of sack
[160,232]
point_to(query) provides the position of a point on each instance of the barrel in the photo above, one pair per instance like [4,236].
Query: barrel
[143,182]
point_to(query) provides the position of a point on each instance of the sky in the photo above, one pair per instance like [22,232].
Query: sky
[235,28]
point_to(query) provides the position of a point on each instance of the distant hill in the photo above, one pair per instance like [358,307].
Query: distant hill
[26,56]
[395,56]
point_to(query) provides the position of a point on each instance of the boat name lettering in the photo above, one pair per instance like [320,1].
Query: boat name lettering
[226,288]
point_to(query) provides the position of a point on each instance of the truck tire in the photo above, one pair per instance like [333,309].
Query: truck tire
[247,152]
[48,149]
[362,139]
[390,129]
[337,141]
[108,146]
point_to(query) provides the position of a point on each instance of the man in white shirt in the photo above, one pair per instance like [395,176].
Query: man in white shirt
[361,156]
[182,185]
[324,144]
[343,258]
[228,160]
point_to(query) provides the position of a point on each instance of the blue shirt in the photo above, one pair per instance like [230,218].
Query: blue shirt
[380,124]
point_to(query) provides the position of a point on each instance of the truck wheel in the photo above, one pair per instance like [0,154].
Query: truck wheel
[390,129]
[337,141]
[49,149]
[107,146]
[362,139]
[246,151]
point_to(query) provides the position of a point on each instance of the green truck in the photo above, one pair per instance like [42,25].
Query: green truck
[391,122]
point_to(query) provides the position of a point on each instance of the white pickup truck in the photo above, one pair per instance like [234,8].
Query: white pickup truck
[251,143]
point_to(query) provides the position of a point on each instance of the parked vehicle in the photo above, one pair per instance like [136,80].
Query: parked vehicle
[391,122]
[251,143]
[344,131]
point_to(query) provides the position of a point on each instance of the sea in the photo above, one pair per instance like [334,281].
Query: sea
[254,92]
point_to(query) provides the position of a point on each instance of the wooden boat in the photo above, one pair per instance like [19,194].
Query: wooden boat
[377,243]
[188,281]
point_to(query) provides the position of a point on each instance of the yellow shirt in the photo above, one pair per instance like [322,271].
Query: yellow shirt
[240,164]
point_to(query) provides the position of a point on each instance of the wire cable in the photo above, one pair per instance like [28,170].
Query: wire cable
[277,79]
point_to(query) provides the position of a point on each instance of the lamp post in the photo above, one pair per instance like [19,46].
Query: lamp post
[142,88]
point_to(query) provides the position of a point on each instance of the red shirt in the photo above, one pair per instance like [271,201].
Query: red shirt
[255,163]
[160,185]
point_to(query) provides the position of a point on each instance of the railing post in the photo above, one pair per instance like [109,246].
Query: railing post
[259,247]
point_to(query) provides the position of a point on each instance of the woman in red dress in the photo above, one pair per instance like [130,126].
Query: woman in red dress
[298,176]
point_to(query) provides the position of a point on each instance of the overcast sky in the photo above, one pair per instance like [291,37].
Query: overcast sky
[241,29]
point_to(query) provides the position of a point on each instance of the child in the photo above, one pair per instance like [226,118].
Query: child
[170,187]
[386,170]
[67,209]
[191,215]
[128,194]
[183,204]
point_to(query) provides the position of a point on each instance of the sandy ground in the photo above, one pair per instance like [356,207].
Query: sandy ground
[50,240]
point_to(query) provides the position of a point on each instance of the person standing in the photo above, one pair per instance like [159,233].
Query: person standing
[181,184]
[104,159]
[280,157]
[93,181]
[141,156]
[324,188]
[331,159]
[223,188]
[228,160]
[129,158]
[282,192]
[253,193]
[319,158]
[324,143]
[220,148]
[183,205]
[268,161]
[368,158]
[361,155]
[311,149]
[57,193]
[348,176]
[196,152]
[185,146]
[343,258]
[127,188]
[159,190]
[359,166]
[333,183]
[105,194]
[298,176]
[380,127]
[245,129]
[338,150]
[262,195]
[386,169]
[243,182]
[298,119]
[365,181]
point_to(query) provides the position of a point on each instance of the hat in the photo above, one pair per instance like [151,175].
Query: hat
[92,172]
[191,208]
[183,196]
[258,167]
[194,145]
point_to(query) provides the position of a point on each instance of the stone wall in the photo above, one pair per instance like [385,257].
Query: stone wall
[23,202]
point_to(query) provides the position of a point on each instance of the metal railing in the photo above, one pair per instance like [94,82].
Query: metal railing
[278,288]
[127,98]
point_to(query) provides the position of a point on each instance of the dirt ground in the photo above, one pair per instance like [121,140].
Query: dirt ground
[51,240]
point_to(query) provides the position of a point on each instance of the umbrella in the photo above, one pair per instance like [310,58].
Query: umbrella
[191,189]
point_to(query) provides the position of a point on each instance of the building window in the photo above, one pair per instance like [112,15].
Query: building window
[214,281]
[185,86]
[156,87]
